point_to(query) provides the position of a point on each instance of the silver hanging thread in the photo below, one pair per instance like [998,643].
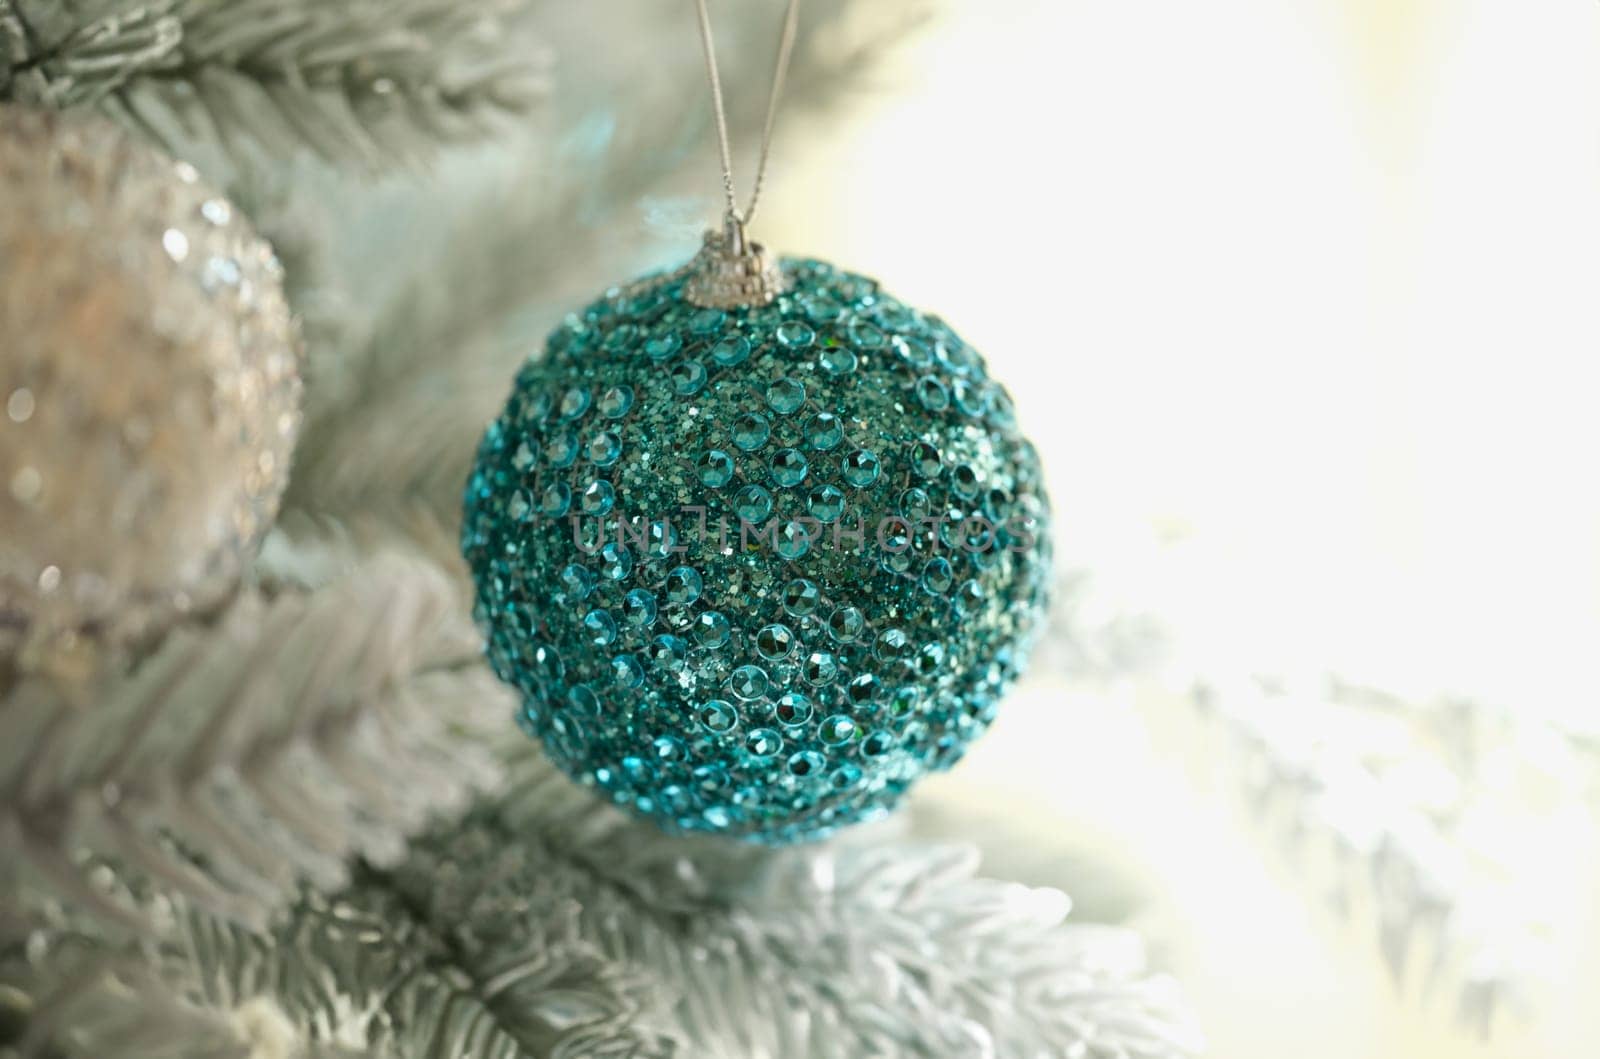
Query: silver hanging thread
[730,271]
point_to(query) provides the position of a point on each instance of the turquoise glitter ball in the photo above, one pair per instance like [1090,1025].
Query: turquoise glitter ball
[755,571]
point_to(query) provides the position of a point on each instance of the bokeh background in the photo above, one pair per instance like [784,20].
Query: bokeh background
[1296,297]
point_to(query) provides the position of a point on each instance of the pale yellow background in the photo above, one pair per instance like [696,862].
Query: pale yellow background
[1298,298]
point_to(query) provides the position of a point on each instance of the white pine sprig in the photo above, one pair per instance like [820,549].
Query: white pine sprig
[369,82]
[547,923]
[355,974]
[325,713]
[864,946]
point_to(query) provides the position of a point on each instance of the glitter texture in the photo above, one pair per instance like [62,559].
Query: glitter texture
[815,573]
[150,368]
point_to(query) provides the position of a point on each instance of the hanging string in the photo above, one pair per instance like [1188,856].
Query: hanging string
[791,22]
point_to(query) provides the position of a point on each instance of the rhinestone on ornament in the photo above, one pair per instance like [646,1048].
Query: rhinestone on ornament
[786,395]
[752,503]
[751,430]
[715,468]
[788,467]
[824,432]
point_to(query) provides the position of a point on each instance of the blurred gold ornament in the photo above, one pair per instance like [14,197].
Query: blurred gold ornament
[149,391]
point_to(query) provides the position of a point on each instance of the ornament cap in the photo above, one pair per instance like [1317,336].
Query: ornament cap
[731,272]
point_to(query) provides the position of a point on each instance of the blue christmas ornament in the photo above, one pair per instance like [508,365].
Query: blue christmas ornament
[755,569]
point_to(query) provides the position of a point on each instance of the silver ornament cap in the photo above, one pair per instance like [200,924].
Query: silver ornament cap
[731,272]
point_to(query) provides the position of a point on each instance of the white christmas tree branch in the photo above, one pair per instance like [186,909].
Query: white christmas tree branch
[862,947]
[85,1003]
[305,724]
[356,974]
[546,923]
[360,81]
